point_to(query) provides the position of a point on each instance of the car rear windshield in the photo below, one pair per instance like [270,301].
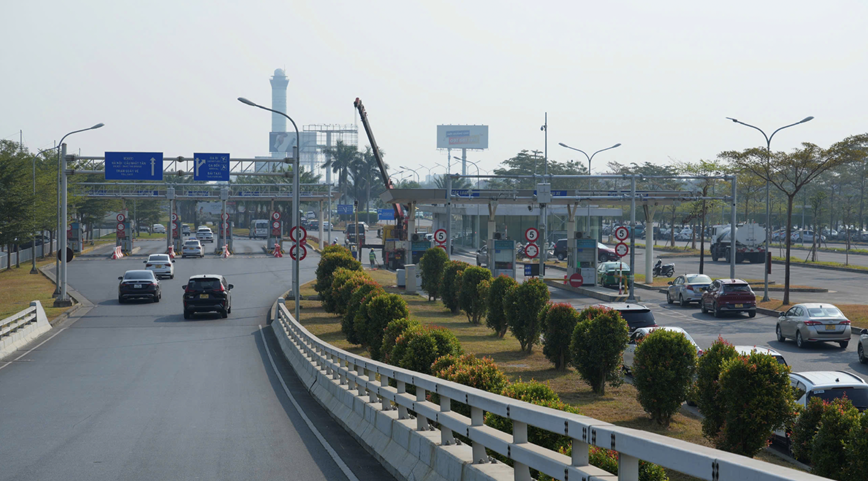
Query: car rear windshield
[858,396]
[192,243]
[638,318]
[824,312]
[736,288]
[138,275]
[700,279]
[204,284]
[159,259]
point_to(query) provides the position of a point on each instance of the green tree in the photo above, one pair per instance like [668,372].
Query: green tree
[16,201]
[709,399]
[523,306]
[469,300]
[597,346]
[559,322]
[340,158]
[663,372]
[501,286]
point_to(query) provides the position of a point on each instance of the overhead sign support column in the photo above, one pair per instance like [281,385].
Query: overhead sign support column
[63,299]
[170,194]
[449,215]
[631,297]
[571,238]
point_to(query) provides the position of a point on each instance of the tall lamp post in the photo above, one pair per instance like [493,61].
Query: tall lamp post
[768,197]
[589,171]
[413,171]
[296,201]
[476,233]
[62,299]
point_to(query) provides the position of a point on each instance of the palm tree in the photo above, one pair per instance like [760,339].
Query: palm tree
[339,160]
[460,183]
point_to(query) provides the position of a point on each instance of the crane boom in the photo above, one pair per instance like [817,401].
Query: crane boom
[399,210]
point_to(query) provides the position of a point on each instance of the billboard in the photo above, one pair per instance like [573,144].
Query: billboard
[284,141]
[462,136]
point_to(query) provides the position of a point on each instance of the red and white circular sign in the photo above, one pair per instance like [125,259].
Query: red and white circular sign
[121,218]
[275,225]
[294,249]
[174,217]
[576,280]
[532,234]
[622,249]
[225,216]
[275,215]
[225,225]
[531,250]
[621,233]
[441,246]
[302,236]
[440,236]
[121,227]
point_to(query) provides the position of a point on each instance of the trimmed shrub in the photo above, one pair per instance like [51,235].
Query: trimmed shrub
[368,288]
[828,456]
[332,248]
[856,445]
[393,331]
[469,300]
[328,264]
[450,284]
[757,400]
[805,428]
[523,305]
[432,264]
[340,276]
[597,346]
[559,321]
[343,292]
[708,388]
[531,391]
[662,373]
[374,315]
[417,349]
[469,370]
[496,318]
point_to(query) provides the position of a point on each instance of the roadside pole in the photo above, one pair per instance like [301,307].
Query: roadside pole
[449,216]
[63,299]
[170,195]
[631,297]
[60,155]
[732,231]
[296,204]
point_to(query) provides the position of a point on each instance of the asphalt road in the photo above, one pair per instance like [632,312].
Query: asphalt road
[136,392]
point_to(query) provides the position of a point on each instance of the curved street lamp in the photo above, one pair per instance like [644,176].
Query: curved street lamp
[296,198]
[412,170]
[768,195]
[590,158]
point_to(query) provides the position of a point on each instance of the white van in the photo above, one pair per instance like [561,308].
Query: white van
[259,228]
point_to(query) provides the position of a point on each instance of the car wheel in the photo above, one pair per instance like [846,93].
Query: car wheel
[186,314]
[702,307]
[799,342]
[681,301]
[156,298]
[121,300]
[224,314]
[230,309]
[751,314]
[862,358]
[844,344]
[716,310]
[668,298]
[779,334]
[561,257]
[172,276]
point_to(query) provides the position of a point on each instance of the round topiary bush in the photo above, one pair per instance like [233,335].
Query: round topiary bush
[479,373]
[496,318]
[530,391]
[432,264]
[596,347]
[334,248]
[828,456]
[856,447]
[417,349]
[362,292]
[663,372]
[374,315]
[342,292]
[328,297]
[559,321]
[469,299]
[450,284]
[328,264]
[805,428]
[394,330]
[523,305]
[757,400]
[708,388]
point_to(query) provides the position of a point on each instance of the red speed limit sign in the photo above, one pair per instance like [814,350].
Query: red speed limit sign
[621,233]
[121,218]
[440,236]
[275,215]
[531,234]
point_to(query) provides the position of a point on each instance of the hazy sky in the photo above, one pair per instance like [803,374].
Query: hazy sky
[658,77]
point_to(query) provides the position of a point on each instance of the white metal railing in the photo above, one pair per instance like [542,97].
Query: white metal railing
[360,374]
[17,321]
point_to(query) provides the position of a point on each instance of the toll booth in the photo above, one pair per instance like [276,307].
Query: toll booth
[418,245]
[501,257]
[75,234]
[584,254]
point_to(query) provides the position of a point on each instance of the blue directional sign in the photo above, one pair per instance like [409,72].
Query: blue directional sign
[211,167]
[134,166]
[345,209]
[198,193]
[385,214]
[557,193]
[151,193]
[464,193]
[249,194]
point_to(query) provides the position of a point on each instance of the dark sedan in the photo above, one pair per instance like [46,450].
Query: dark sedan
[207,293]
[139,285]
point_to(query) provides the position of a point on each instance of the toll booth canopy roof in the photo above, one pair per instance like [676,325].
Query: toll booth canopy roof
[523,196]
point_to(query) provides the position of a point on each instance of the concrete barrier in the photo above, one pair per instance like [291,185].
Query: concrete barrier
[19,329]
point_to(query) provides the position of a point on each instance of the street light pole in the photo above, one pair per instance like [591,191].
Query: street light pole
[476,233]
[768,198]
[411,170]
[543,217]
[589,171]
[296,201]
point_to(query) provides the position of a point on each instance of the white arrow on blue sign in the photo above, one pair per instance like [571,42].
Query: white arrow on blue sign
[134,166]
[345,209]
[385,214]
[208,167]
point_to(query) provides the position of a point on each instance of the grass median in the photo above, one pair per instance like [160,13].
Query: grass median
[18,287]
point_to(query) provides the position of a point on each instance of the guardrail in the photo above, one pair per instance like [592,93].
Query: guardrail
[348,384]
[19,329]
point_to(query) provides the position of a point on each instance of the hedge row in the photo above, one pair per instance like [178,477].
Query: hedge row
[833,437]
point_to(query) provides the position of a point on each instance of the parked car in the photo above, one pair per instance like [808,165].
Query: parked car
[636,315]
[137,285]
[728,296]
[207,293]
[814,323]
[608,273]
[161,265]
[687,288]
[747,350]
[158,229]
[604,252]
[640,333]
[204,234]
[806,236]
[192,248]
[827,386]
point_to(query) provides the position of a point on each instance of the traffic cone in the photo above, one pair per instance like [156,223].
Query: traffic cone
[171,252]
[277,252]
[226,253]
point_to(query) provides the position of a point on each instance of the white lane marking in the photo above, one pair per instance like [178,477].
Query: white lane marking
[33,348]
[346,470]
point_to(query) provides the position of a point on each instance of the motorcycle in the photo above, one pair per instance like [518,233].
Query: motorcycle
[661,270]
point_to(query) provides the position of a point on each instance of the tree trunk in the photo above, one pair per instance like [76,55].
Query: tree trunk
[789,242]
[561,363]
[17,256]
[672,229]
[50,242]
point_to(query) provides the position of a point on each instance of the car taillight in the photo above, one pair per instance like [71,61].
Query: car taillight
[689,288]
[844,322]
[813,323]
[149,265]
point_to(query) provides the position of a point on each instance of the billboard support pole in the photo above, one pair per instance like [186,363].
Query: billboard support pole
[449,216]
[463,161]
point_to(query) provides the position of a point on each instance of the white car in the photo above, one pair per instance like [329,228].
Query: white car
[747,350]
[159,229]
[687,288]
[161,265]
[192,248]
[828,386]
[204,234]
[638,334]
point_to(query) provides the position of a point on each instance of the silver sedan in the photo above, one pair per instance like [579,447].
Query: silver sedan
[814,323]
[687,288]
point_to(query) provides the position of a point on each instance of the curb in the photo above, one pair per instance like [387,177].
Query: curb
[590,293]
[827,268]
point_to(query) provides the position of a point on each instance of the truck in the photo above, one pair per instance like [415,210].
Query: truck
[749,243]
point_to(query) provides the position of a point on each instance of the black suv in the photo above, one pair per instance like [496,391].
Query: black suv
[207,293]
